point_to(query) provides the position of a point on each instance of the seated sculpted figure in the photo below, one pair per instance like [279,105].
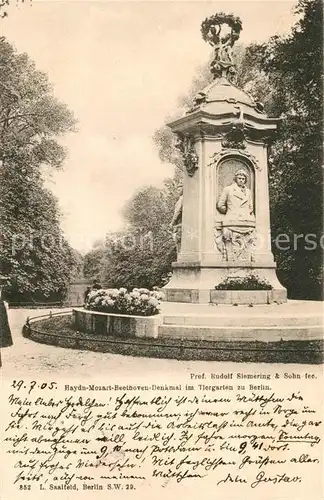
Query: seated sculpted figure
[238,225]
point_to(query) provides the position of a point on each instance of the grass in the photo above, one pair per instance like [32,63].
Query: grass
[294,351]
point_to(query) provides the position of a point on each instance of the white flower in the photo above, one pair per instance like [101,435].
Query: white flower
[158,295]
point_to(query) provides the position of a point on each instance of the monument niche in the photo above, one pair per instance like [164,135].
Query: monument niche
[235,234]
[224,221]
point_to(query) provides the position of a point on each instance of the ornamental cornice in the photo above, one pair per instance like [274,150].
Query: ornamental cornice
[237,153]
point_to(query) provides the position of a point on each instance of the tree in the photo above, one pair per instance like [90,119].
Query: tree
[141,254]
[293,65]
[77,269]
[34,252]
[93,262]
[30,116]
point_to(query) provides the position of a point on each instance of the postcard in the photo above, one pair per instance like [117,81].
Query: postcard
[161,308]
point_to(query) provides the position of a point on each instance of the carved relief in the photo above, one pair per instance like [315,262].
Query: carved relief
[185,145]
[235,138]
[234,227]
[231,152]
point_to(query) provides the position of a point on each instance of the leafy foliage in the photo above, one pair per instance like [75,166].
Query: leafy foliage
[30,116]
[249,282]
[294,68]
[142,253]
[93,262]
[33,252]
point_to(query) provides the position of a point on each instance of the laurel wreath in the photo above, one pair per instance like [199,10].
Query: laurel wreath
[208,25]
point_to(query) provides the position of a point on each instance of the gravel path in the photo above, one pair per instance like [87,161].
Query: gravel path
[27,358]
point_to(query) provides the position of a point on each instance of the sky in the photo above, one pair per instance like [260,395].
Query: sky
[121,68]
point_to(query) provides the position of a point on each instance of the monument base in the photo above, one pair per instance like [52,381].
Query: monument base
[195,283]
[294,320]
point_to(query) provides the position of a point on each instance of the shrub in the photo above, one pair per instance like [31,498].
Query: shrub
[138,302]
[249,282]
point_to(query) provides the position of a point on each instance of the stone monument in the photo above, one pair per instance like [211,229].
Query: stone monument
[225,217]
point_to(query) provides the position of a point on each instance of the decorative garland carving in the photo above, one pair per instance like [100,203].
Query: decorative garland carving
[236,136]
[234,139]
[185,145]
[220,155]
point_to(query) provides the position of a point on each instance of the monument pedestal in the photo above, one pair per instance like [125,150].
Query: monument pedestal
[195,283]
[294,320]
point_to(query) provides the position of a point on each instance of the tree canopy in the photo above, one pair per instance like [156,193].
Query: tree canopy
[141,254]
[30,116]
[34,252]
[293,65]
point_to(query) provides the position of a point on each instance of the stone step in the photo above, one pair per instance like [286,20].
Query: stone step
[290,308]
[242,333]
[228,320]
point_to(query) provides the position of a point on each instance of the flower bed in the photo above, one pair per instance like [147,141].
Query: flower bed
[247,283]
[138,302]
[250,289]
